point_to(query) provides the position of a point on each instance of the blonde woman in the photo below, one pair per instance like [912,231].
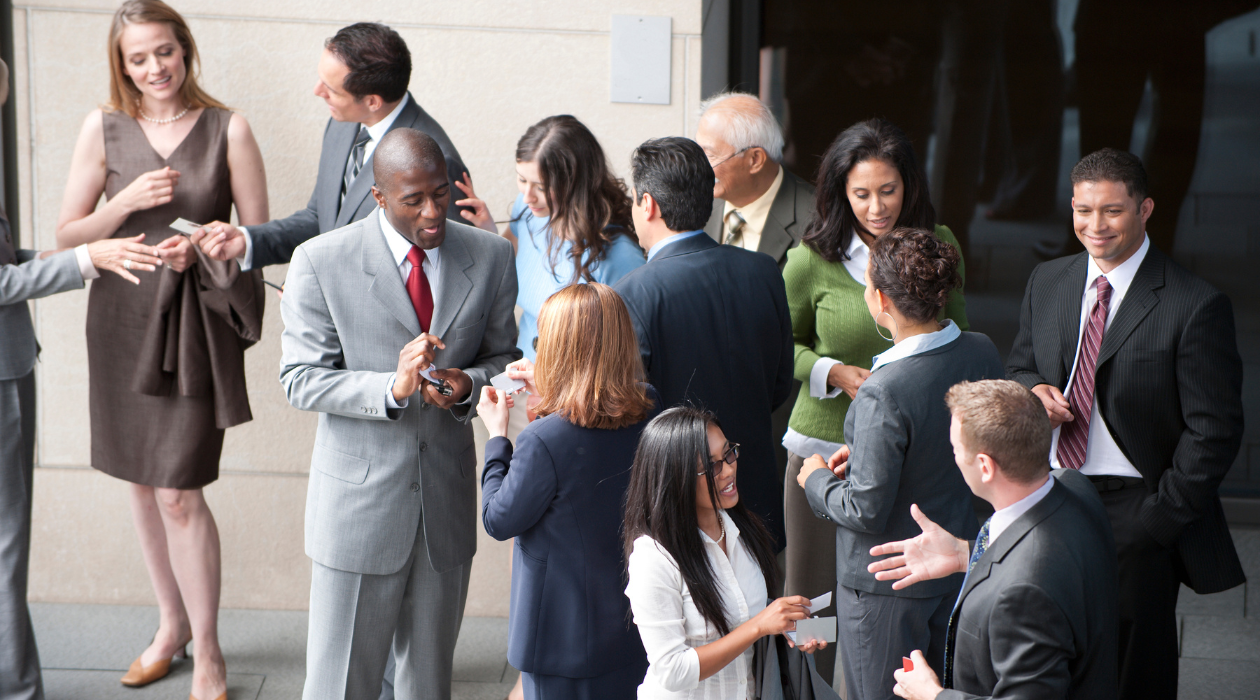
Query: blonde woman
[165,357]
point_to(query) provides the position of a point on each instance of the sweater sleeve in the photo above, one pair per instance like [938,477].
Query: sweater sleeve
[956,307]
[798,280]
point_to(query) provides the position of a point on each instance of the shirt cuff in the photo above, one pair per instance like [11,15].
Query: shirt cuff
[86,268]
[818,379]
[389,394]
[246,261]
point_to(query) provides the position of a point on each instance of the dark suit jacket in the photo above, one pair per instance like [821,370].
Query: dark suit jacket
[1168,387]
[790,213]
[274,241]
[562,500]
[714,330]
[1037,616]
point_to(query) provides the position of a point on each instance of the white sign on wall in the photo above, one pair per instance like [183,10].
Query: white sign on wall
[640,59]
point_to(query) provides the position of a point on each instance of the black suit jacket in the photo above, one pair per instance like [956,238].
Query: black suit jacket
[1168,387]
[790,212]
[1037,616]
[714,330]
[275,241]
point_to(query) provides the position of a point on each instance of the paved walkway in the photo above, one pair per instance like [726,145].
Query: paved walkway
[86,648]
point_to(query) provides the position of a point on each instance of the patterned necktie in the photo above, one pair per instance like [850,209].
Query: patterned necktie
[734,227]
[418,288]
[355,162]
[1074,435]
[982,544]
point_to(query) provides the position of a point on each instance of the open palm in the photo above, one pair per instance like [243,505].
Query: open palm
[933,554]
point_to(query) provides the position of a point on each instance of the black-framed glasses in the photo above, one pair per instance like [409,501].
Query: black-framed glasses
[728,457]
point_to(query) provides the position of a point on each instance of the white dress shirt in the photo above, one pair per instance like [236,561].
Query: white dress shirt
[672,627]
[377,131]
[1102,454]
[754,214]
[1003,517]
[84,259]
[399,246]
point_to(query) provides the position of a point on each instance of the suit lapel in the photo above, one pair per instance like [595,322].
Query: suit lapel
[340,141]
[453,279]
[387,285]
[1137,303]
[775,239]
[1068,291]
[362,185]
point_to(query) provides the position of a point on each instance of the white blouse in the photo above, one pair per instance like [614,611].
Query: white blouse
[671,626]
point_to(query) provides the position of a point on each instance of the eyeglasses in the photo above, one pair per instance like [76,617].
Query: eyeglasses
[728,457]
[714,165]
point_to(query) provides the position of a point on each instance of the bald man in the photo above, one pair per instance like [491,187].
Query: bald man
[757,204]
[392,324]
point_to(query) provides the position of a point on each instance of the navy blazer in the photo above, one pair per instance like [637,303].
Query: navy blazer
[562,500]
[714,331]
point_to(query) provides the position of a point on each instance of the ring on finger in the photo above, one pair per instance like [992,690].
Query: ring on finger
[127,263]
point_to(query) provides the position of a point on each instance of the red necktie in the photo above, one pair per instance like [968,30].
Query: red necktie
[1074,436]
[418,288]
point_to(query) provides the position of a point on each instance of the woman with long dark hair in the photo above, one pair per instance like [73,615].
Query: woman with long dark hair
[898,454]
[869,183]
[699,563]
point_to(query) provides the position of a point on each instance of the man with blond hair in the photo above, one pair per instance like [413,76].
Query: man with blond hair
[757,204]
[1036,617]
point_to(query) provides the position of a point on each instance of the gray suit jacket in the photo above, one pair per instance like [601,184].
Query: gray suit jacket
[274,241]
[27,278]
[1037,616]
[790,213]
[897,429]
[375,470]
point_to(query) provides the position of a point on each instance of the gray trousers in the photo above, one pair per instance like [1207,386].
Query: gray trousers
[875,631]
[19,659]
[359,621]
[811,553]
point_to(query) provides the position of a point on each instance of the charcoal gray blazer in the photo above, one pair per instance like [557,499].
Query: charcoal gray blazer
[1037,617]
[1168,387]
[274,241]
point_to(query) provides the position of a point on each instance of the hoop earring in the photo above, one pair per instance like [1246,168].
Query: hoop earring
[896,328]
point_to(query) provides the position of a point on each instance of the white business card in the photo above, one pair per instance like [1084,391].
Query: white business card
[506,384]
[185,226]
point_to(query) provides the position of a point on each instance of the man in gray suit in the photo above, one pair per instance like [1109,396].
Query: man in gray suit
[363,77]
[26,275]
[757,204]
[391,507]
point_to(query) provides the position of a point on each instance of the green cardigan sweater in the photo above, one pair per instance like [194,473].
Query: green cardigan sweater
[829,319]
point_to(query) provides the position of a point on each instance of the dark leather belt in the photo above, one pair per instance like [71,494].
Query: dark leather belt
[1107,483]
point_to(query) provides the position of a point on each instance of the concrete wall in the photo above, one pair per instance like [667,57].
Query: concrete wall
[485,69]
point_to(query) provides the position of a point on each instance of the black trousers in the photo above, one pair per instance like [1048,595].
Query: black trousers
[1149,583]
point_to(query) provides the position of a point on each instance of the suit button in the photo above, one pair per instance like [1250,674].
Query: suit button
[424,446]
[415,487]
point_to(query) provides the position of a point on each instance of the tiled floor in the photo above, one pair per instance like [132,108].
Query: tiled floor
[86,648]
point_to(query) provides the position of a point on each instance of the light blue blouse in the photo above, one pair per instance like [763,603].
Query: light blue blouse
[535,279]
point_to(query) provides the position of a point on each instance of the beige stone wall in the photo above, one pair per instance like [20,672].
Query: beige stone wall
[485,69]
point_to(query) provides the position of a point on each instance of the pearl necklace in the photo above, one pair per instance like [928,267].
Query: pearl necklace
[169,120]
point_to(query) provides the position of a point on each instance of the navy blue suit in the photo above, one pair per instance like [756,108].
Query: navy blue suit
[562,500]
[715,331]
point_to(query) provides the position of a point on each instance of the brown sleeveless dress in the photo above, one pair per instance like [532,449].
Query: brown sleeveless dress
[166,357]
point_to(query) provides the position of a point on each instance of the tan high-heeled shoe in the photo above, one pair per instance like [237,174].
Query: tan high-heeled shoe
[139,676]
[221,697]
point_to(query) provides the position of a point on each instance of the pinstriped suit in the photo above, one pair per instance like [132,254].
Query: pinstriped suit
[1168,387]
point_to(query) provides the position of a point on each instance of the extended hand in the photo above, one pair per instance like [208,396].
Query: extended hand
[1057,407]
[111,254]
[919,684]
[494,409]
[781,615]
[177,253]
[461,384]
[219,241]
[480,215]
[415,356]
[933,554]
[847,377]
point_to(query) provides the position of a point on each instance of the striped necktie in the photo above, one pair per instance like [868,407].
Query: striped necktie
[982,544]
[355,162]
[1074,435]
[734,227]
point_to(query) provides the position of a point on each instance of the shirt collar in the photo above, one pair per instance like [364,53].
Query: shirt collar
[672,239]
[1003,518]
[1122,276]
[917,345]
[399,246]
[378,130]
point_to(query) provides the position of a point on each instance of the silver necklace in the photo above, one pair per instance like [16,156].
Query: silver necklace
[169,120]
